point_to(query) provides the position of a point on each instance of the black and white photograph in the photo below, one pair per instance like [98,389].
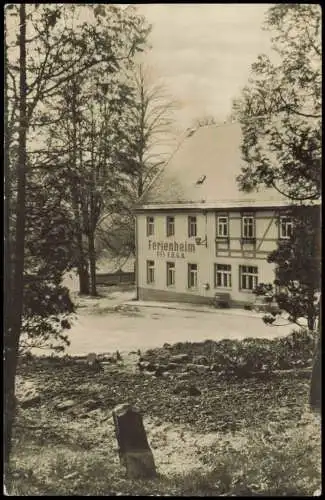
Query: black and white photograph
[162,249]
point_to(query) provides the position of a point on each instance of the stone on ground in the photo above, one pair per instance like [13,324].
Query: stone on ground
[134,450]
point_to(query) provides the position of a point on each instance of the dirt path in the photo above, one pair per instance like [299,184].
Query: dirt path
[110,322]
[128,330]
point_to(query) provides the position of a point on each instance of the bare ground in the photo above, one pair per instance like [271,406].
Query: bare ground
[233,434]
[111,322]
[236,438]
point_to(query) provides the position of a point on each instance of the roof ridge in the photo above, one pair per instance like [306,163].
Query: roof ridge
[217,125]
[236,122]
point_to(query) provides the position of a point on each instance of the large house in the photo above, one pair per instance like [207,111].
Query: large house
[197,235]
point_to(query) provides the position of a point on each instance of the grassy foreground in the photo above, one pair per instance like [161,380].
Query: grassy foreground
[240,437]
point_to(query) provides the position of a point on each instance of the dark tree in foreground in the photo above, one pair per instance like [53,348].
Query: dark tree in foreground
[280,115]
[280,108]
[45,48]
[14,313]
[298,270]
[35,300]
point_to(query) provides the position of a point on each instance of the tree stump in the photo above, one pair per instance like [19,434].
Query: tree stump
[134,451]
[93,362]
[91,358]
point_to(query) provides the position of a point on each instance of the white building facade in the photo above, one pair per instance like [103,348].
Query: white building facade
[190,255]
[197,235]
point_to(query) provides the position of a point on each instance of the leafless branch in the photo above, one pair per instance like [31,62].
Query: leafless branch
[315,196]
[12,76]
[39,82]
[288,107]
[317,50]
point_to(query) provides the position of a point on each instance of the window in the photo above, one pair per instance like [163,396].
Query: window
[150,226]
[248,277]
[170,226]
[170,273]
[248,227]
[222,226]
[192,275]
[285,227]
[150,271]
[191,226]
[223,275]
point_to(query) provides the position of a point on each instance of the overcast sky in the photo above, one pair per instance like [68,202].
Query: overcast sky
[203,53]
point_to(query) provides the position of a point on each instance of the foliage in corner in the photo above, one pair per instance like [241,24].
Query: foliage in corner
[296,288]
[280,115]
[280,109]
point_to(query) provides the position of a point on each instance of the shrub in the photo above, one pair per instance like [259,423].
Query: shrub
[249,356]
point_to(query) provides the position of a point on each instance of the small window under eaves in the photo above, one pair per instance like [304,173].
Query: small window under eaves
[201,179]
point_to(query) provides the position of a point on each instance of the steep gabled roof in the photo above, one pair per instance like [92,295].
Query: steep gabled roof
[203,171]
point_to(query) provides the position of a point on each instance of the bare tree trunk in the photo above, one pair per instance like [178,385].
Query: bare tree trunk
[83,274]
[82,261]
[7,192]
[12,334]
[9,383]
[311,313]
[82,269]
[140,183]
[92,263]
[311,322]
[315,394]
[316,379]
[91,217]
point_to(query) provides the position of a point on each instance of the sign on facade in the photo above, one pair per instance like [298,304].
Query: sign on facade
[171,250]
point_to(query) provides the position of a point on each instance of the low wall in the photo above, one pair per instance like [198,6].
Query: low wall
[115,278]
[170,296]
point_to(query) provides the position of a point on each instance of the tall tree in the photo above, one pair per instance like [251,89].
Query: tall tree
[149,129]
[93,102]
[280,114]
[298,270]
[15,300]
[54,44]
[147,138]
[280,109]
[92,134]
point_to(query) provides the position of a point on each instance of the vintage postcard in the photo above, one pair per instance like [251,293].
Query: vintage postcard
[162,249]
